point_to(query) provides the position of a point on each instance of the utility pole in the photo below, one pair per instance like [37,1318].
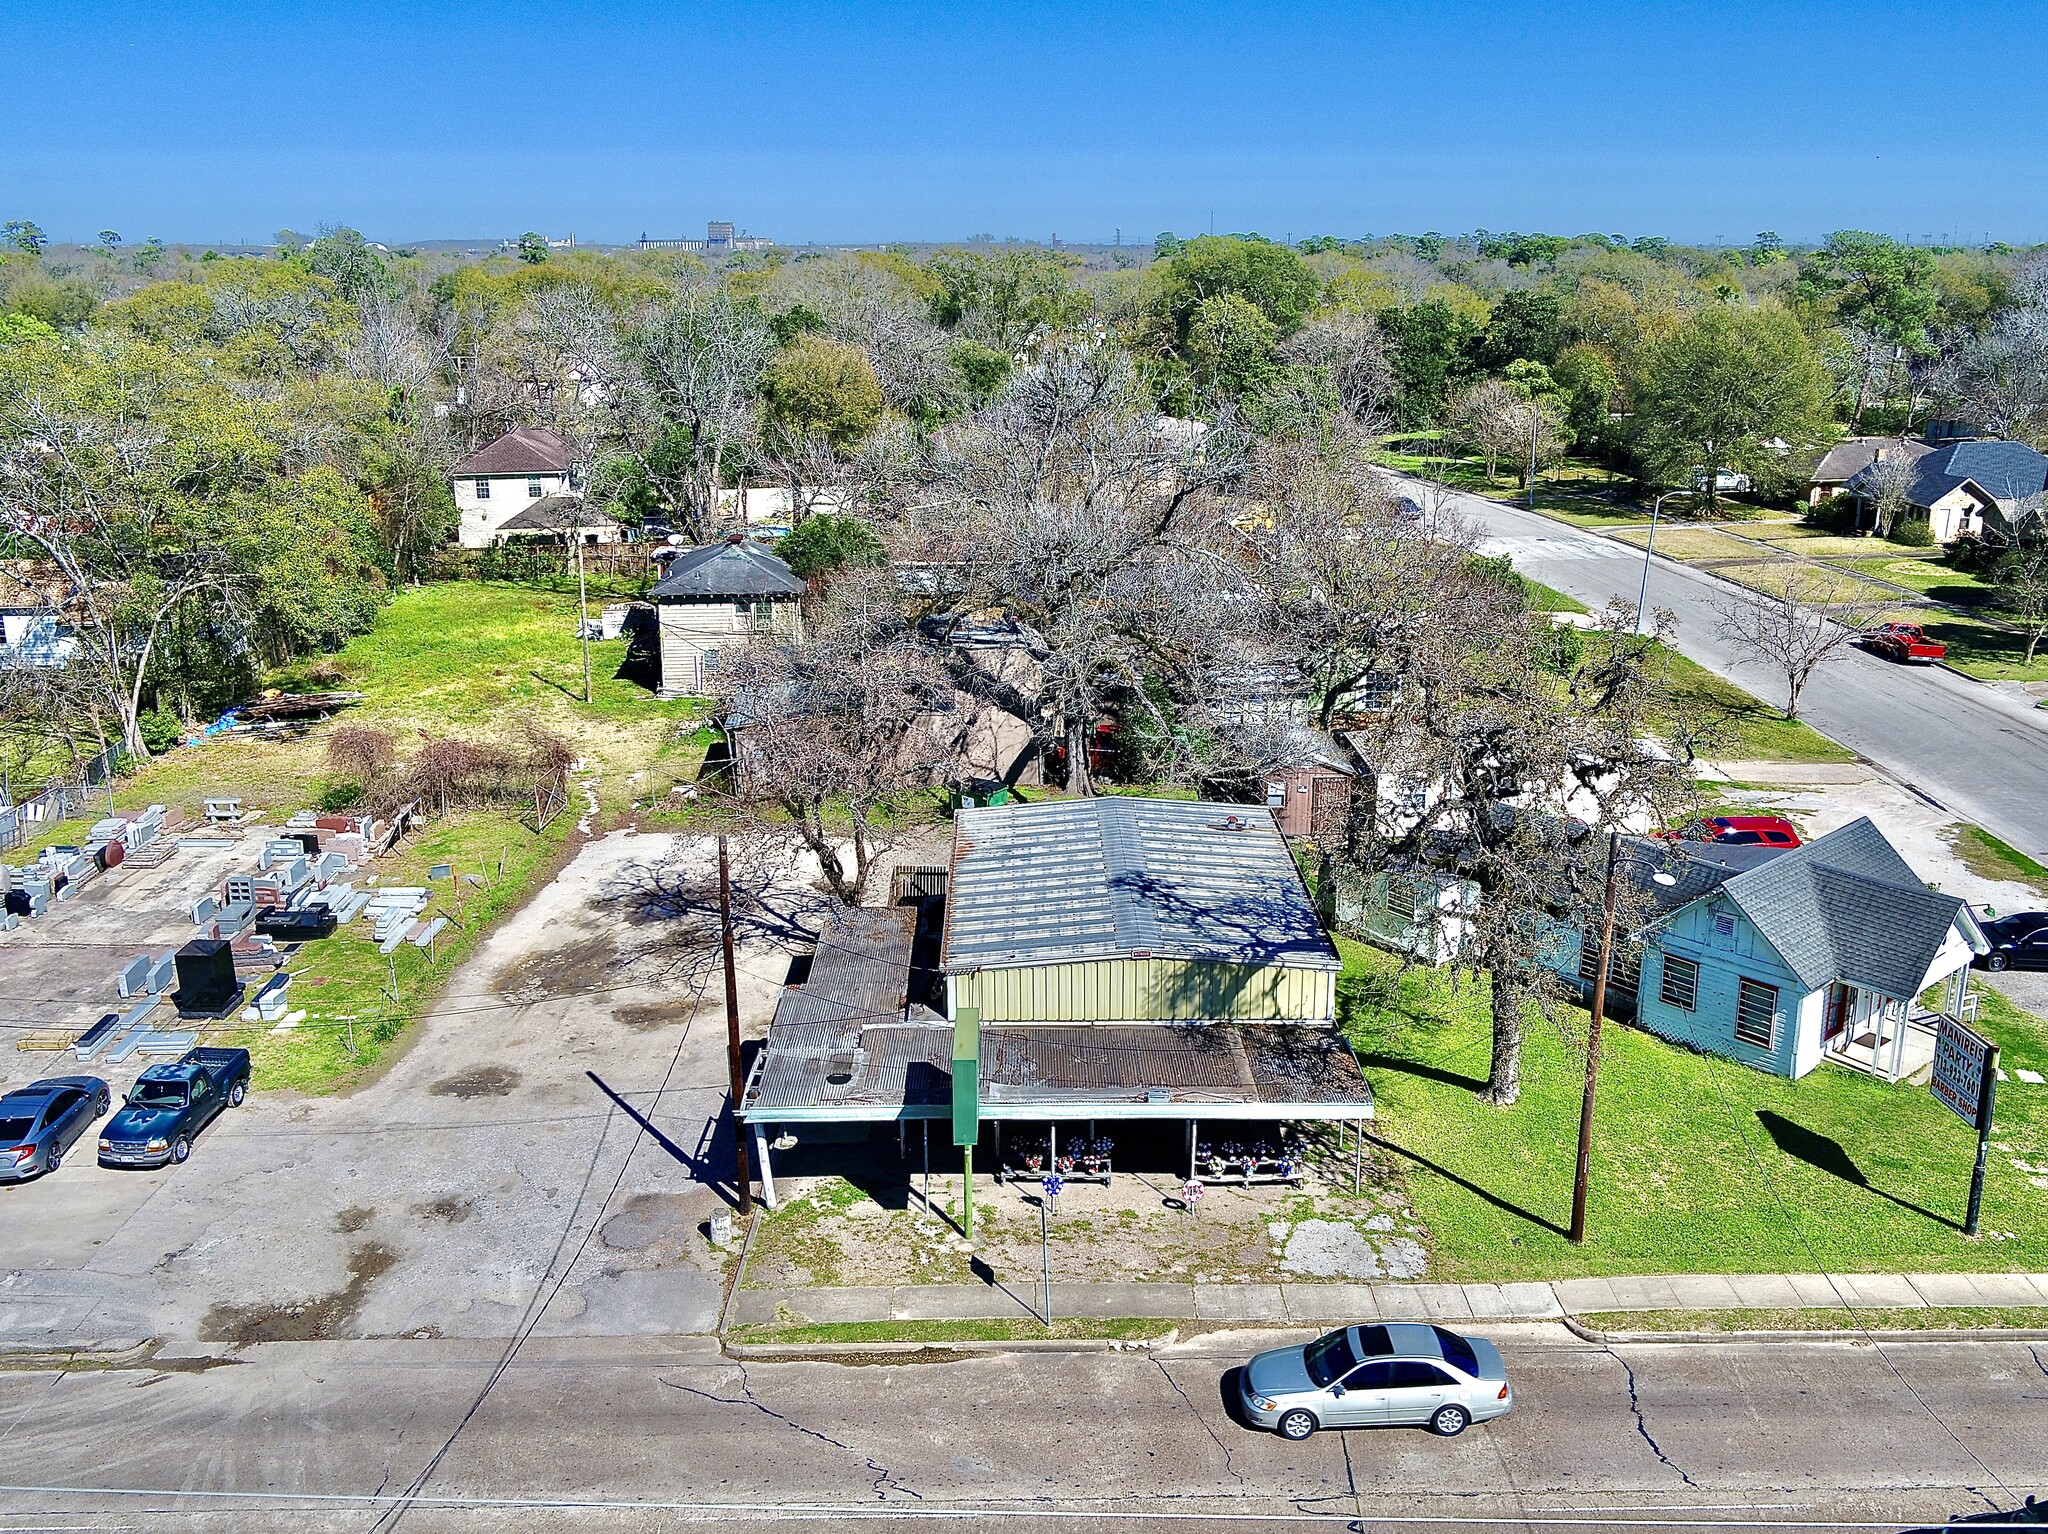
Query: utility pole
[742,1174]
[1535,420]
[1578,1230]
[582,604]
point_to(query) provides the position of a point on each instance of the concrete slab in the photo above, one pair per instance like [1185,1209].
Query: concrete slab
[1578,1295]
[1884,1290]
[1240,1302]
[959,1302]
[838,1304]
[1648,1292]
[1529,1302]
[1443,1302]
[1332,1304]
[1122,1299]
[1815,1290]
[1709,1291]
[1401,1303]
[1766,1291]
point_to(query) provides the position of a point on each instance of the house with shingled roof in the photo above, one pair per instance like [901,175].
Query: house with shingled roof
[712,598]
[503,478]
[1783,958]
[1969,489]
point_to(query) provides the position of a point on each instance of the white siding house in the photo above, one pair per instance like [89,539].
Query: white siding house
[501,479]
[712,598]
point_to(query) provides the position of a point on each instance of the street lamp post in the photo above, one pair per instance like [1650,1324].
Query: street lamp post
[1643,596]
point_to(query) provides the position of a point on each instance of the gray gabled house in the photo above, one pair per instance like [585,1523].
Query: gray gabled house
[1783,958]
[1969,489]
[713,598]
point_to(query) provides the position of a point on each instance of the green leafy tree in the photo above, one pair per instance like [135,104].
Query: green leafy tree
[1009,298]
[1738,390]
[110,240]
[532,248]
[1874,280]
[1230,346]
[824,543]
[347,260]
[821,388]
[1523,325]
[1431,356]
[981,368]
[20,234]
[1590,380]
[1271,278]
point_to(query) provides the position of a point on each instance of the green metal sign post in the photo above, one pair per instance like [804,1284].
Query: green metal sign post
[967,1105]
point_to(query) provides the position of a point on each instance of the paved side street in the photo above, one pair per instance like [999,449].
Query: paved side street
[1633,1435]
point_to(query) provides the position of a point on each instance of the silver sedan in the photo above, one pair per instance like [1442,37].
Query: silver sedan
[1373,1376]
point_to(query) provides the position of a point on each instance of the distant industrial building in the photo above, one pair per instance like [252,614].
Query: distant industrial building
[720,239]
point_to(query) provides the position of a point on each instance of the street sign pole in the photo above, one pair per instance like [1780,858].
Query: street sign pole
[1987,1093]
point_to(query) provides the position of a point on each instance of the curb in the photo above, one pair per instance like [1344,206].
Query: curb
[793,1352]
[1837,1334]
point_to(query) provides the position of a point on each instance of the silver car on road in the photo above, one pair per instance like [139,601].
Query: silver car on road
[1372,1376]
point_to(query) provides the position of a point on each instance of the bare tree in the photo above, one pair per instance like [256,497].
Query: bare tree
[1067,505]
[1500,423]
[831,731]
[1798,627]
[2021,576]
[1999,377]
[1887,485]
[1348,348]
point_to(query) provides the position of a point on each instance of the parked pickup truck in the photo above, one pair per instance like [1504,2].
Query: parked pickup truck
[169,1104]
[1902,642]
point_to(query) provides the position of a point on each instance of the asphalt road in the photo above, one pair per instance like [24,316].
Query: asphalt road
[1976,749]
[653,1433]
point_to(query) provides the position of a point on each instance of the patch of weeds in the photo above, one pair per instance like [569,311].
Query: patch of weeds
[1834,1319]
[1989,858]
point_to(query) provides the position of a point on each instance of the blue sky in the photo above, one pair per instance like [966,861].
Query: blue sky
[838,121]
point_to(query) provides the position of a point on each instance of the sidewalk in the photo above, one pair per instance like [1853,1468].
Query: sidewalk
[1321,1304]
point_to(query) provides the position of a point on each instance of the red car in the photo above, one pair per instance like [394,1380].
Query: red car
[1740,831]
[1902,642]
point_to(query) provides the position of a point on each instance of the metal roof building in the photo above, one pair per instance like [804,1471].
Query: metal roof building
[1131,959]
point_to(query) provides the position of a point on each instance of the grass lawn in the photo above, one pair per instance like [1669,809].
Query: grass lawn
[1930,577]
[1925,1318]
[1699,1164]
[1757,732]
[1985,650]
[1989,858]
[452,658]
[1816,543]
[1695,543]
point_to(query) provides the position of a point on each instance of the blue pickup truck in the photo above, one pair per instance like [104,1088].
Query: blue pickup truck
[169,1104]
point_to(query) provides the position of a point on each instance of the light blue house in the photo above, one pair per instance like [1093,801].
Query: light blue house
[1784,958]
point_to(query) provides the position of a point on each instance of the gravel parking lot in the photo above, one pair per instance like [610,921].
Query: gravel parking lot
[542,1154]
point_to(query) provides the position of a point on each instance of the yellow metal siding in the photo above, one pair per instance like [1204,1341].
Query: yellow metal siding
[1145,990]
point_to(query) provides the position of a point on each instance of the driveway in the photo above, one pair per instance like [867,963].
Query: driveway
[1974,748]
[543,1155]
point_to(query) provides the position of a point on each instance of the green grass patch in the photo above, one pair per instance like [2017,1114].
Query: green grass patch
[1989,858]
[1006,1329]
[1930,577]
[1926,1318]
[1756,731]
[1699,1164]
[1985,650]
[1547,599]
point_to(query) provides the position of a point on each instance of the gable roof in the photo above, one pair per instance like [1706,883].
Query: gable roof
[1845,460]
[1847,907]
[555,514]
[1124,878]
[738,567]
[2005,471]
[522,450]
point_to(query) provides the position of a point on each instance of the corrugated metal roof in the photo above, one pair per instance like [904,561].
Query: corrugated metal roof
[861,970]
[1122,878]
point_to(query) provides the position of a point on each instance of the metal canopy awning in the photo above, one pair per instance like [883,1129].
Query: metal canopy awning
[858,1072]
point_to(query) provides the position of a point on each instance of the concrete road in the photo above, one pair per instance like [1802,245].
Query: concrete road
[608,1433]
[1977,749]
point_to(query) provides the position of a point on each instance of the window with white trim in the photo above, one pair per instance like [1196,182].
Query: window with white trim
[533,490]
[1679,985]
[483,488]
[1756,1013]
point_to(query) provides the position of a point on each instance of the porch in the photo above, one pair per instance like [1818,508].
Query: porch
[1887,1036]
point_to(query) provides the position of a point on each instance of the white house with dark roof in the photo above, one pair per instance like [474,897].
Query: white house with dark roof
[712,598]
[1969,489]
[1784,958]
[504,478]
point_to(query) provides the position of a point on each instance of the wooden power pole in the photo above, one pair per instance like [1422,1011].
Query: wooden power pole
[742,1173]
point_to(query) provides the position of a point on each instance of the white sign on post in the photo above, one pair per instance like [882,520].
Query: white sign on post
[1960,1057]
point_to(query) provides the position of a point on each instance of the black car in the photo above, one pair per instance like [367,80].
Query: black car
[2018,941]
[41,1121]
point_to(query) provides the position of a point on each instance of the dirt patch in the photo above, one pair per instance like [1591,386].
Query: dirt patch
[651,1019]
[588,964]
[478,1081]
[349,1221]
[317,1320]
[448,1208]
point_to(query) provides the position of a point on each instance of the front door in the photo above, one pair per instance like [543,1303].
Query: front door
[1837,1023]
[1367,1391]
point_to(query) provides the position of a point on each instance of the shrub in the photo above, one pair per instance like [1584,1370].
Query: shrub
[360,753]
[1833,514]
[162,731]
[1914,533]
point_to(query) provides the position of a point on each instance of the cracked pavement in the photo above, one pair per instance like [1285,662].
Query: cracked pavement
[637,1432]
